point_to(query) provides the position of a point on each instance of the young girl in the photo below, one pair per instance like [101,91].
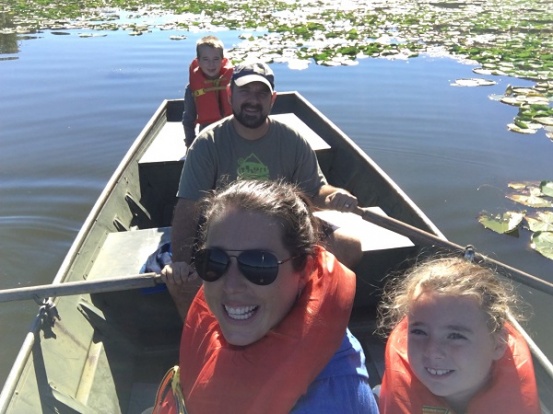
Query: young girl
[452,349]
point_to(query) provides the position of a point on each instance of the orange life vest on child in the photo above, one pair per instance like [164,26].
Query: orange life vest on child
[210,95]
[512,389]
[270,375]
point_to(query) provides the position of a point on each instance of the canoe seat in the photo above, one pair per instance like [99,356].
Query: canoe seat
[169,145]
[384,251]
[142,313]
[159,171]
[373,237]
[124,253]
[320,146]
[314,139]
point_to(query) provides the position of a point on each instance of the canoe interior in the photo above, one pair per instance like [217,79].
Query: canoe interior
[109,351]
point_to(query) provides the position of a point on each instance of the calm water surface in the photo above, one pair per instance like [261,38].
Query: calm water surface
[70,108]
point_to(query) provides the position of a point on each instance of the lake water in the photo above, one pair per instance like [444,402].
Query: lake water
[70,107]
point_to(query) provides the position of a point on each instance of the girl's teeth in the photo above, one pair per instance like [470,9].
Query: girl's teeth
[242,312]
[438,371]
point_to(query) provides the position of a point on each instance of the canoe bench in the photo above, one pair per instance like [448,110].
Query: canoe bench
[169,146]
[140,313]
[160,165]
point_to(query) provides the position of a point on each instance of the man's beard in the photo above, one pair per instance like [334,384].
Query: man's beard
[250,121]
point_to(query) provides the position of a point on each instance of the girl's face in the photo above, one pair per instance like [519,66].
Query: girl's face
[450,347]
[246,311]
[210,61]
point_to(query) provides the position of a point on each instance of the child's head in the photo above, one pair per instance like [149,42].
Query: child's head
[210,54]
[456,312]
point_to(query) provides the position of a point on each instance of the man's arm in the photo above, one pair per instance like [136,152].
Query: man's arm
[189,117]
[345,246]
[334,198]
[185,223]
[181,278]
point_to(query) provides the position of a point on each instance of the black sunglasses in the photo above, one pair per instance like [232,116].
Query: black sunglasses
[258,266]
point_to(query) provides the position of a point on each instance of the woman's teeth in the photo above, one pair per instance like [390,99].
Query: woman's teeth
[241,312]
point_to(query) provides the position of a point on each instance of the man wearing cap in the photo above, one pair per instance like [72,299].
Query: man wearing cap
[249,145]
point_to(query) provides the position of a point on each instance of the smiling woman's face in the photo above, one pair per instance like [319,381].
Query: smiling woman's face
[246,311]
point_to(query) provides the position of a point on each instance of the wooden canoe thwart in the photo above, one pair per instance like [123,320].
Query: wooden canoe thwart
[118,332]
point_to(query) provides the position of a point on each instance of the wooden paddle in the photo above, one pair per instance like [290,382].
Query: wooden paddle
[423,237]
[77,288]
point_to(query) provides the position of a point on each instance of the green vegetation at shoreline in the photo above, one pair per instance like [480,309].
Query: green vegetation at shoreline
[505,37]
[512,37]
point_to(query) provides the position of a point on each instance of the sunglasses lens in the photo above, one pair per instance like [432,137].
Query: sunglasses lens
[211,264]
[258,267]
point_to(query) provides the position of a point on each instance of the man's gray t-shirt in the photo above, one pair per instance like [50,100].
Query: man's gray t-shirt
[219,156]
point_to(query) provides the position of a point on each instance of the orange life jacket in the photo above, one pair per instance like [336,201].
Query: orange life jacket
[210,95]
[512,389]
[270,375]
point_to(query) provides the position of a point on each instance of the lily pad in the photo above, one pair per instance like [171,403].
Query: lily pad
[471,82]
[545,120]
[529,186]
[530,200]
[546,187]
[542,242]
[504,223]
[516,128]
[543,221]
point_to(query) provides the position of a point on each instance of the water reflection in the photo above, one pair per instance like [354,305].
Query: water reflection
[8,37]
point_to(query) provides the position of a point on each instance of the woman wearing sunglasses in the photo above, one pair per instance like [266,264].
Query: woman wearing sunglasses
[267,332]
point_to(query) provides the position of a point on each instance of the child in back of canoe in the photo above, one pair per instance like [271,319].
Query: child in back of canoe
[206,98]
[452,348]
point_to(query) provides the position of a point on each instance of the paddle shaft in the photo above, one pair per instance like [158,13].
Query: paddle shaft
[423,237]
[77,288]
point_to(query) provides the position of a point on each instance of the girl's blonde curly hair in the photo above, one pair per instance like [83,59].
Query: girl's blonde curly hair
[449,276]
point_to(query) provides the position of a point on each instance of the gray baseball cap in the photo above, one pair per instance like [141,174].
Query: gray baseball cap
[245,73]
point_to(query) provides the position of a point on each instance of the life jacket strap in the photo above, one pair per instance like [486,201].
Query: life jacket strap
[170,383]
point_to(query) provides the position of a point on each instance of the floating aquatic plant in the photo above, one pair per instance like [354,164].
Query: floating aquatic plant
[473,82]
[504,223]
[541,221]
[530,194]
[542,242]
[533,194]
[546,187]
[506,37]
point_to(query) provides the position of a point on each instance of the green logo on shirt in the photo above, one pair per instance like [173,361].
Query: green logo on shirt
[251,168]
